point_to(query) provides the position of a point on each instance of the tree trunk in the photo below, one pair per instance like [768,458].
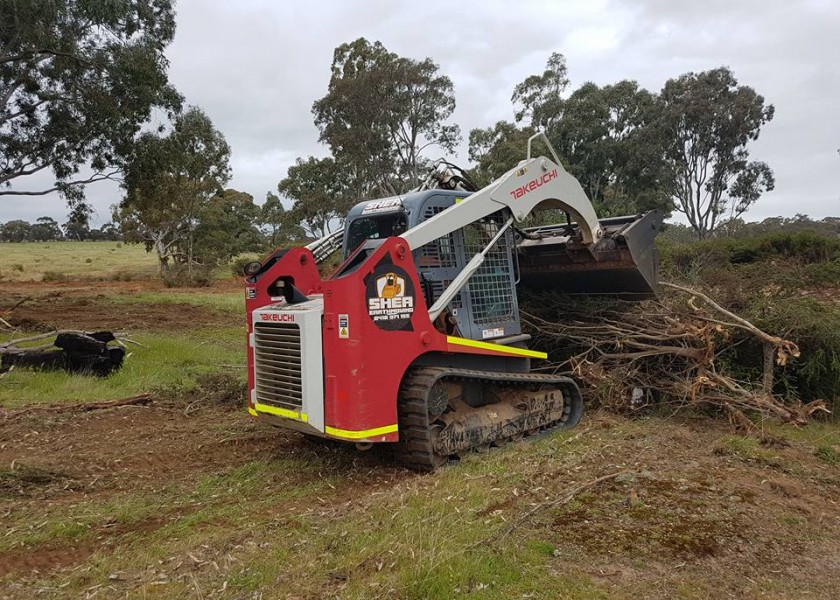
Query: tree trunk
[190,251]
[163,259]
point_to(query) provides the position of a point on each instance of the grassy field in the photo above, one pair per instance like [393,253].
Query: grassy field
[190,498]
[74,260]
[179,335]
[163,362]
[232,302]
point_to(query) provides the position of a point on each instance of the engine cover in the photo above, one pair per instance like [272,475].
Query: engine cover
[288,363]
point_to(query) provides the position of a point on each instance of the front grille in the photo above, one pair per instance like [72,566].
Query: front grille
[277,365]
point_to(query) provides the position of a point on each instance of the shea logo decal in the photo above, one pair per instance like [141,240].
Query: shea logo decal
[385,205]
[391,302]
[390,298]
[533,184]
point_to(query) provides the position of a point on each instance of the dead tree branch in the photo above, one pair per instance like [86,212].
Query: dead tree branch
[632,354]
[140,400]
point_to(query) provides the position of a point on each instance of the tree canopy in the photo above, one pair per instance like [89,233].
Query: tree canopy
[320,195]
[380,113]
[705,122]
[77,81]
[226,225]
[602,135]
[495,150]
[633,150]
[539,98]
[605,137]
[279,225]
[168,179]
[77,226]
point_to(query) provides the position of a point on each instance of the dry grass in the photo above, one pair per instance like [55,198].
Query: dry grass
[60,261]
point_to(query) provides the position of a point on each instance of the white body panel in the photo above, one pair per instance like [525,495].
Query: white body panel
[288,362]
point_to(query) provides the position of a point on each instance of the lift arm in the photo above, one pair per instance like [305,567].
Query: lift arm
[534,182]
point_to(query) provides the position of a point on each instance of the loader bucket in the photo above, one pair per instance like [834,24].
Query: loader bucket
[623,263]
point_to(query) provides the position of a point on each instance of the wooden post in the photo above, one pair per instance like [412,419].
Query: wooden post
[769,360]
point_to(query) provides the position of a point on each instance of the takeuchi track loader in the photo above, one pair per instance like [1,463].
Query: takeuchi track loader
[415,340]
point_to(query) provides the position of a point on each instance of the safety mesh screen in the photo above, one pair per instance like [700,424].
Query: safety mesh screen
[491,289]
[437,290]
[441,252]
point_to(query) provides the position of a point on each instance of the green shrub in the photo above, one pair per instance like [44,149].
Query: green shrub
[180,276]
[17,267]
[784,283]
[53,276]
[813,325]
[802,247]
[823,274]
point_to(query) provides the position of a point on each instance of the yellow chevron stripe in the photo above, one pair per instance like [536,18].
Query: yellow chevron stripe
[334,431]
[252,412]
[282,412]
[360,435]
[495,347]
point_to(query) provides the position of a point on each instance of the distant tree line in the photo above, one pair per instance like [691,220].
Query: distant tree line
[738,228]
[47,229]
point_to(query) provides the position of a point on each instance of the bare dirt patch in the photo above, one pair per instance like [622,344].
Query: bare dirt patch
[91,309]
[137,447]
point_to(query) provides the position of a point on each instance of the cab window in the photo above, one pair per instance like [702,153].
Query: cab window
[375,227]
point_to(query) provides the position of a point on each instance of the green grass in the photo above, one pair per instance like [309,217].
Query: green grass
[166,361]
[425,539]
[828,455]
[747,449]
[30,261]
[290,526]
[295,521]
[226,302]
[816,433]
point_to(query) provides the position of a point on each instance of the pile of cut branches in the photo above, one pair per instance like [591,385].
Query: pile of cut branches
[631,355]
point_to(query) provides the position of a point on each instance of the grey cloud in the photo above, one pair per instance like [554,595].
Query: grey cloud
[256,66]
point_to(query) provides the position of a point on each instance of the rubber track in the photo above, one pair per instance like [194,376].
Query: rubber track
[414,449]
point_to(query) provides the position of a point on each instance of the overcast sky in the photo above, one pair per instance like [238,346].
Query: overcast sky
[256,66]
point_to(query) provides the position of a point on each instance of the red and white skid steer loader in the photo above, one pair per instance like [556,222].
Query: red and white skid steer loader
[415,340]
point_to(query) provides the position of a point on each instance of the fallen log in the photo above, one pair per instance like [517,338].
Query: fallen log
[139,400]
[72,351]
